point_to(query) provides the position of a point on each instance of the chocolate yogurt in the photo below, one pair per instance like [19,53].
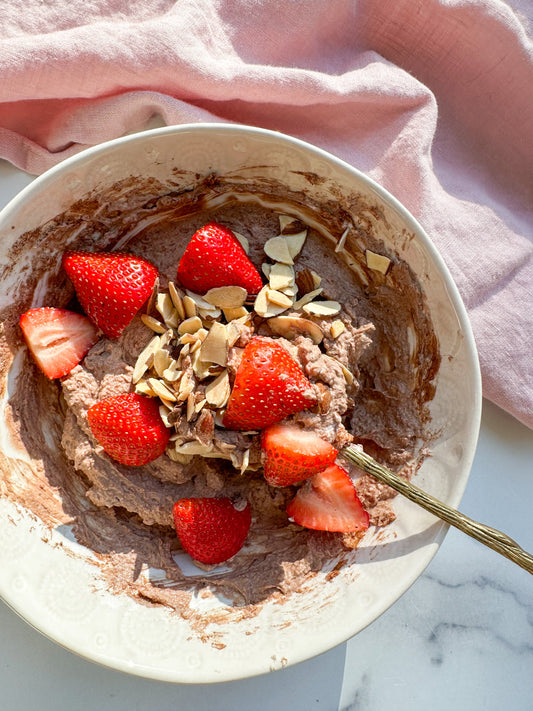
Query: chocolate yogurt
[374,380]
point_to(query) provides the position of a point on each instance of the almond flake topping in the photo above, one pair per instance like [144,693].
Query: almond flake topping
[306,298]
[233,314]
[291,326]
[215,347]
[279,299]
[323,308]
[377,262]
[277,248]
[296,242]
[336,328]
[177,300]
[218,391]
[226,297]
[153,323]
[159,387]
[281,276]
[190,325]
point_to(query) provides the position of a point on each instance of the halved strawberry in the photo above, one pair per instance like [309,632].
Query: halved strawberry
[269,385]
[57,338]
[328,502]
[214,257]
[129,428]
[211,530]
[111,286]
[292,454]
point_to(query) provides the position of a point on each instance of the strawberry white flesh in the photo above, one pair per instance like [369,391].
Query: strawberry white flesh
[328,502]
[57,338]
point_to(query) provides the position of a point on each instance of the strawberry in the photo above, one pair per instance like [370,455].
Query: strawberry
[111,286]
[58,339]
[211,530]
[328,502]
[214,257]
[129,428]
[292,454]
[269,385]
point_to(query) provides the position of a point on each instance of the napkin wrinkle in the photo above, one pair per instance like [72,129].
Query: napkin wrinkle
[431,98]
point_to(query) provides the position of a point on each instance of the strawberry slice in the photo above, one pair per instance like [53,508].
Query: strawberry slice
[292,454]
[129,428]
[58,339]
[328,502]
[214,257]
[211,530]
[111,286]
[269,385]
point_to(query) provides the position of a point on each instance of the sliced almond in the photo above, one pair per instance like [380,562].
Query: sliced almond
[265,268]
[284,221]
[245,460]
[291,326]
[183,354]
[166,337]
[336,328]
[232,314]
[323,308]
[215,347]
[197,343]
[236,328]
[145,359]
[348,376]
[340,244]
[153,324]
[186,387]
[176,300]
[243,241]
[190,325]
[278,299]
[200,302]
[218,391]
[167,310]
[296,242]
[306,298]
[261,303]
[277,249]
[190,407]
[172,374]
[317,280]
[209,315]
[177,457]
[291,291]
[143,388]
[161,390]
[162,361]
[226,297]
[194,448]
[200,368]
[281,276]
[189,307]
[377,262]
[265,308]
[199,405]
[164,412]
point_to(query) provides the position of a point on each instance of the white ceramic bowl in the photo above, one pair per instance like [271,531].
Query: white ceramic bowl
[47,578]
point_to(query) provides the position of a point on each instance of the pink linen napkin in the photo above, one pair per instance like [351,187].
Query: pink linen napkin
[432,98]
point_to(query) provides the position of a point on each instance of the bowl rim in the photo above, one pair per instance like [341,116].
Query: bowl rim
[49,176]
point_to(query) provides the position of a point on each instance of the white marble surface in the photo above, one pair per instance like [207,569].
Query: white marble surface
[461,638]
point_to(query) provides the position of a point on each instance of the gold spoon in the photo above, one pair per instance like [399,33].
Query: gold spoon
[490,537]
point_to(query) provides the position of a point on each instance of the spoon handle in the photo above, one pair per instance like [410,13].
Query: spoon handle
[490,537]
